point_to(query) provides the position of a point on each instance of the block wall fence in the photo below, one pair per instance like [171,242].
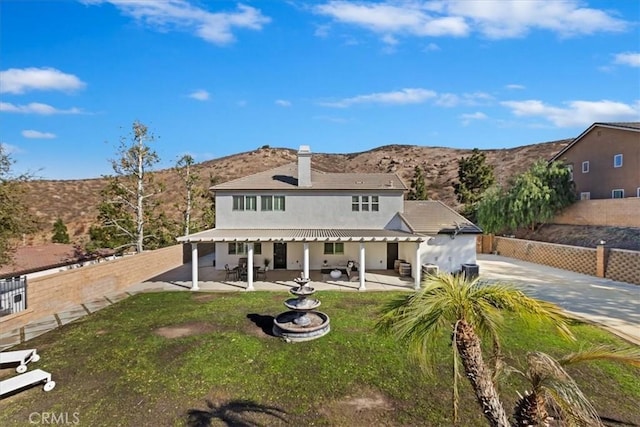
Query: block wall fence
[615,264]
[50,294]
[605,212]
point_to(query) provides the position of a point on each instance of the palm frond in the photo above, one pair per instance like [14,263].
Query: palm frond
[628,355]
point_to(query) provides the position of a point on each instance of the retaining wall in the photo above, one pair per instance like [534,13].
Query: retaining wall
[50,294]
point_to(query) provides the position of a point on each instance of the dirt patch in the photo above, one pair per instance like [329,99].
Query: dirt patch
[185,330]
[203,297]
[364,407]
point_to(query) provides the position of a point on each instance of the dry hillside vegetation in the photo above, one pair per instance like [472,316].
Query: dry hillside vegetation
[75,201]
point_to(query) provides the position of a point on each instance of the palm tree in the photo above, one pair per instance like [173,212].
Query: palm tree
[553,388]
[469,310]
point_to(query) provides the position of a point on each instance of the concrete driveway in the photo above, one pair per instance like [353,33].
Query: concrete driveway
[613,305]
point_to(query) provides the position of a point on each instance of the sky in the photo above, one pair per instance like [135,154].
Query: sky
[215,78]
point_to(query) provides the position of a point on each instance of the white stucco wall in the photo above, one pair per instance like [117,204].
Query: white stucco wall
[375,255]
[309,209]
[449,254]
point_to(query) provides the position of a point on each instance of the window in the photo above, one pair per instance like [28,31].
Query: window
[585,195]
[244,203]
[240,248]
[334,248]
[365,203]
[638,192]
[617,161]
[585,167]
[266,203]
[617,194]
[250,203]
[375,205]
[272,203]
[278,203]
[238,203]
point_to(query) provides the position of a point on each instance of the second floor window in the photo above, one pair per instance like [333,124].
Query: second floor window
[272,203]
[365,203]
[585,167]
[244,203]
[617,161]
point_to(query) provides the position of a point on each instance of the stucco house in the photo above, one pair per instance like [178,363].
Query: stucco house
[605,161]
[302,219]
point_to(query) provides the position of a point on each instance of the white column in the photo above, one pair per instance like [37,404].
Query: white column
[361,267]
[194,267]
[305,260]
[250,267]
[417,267]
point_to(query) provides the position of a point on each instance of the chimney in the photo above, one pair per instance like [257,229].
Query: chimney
[304,166]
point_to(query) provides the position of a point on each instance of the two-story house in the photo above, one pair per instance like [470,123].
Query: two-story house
[303,219]
[605,161]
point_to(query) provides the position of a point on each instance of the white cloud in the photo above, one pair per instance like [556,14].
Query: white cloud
[34,134]
[216,28]
[628,58]
[36,108]
[391,18]
[577,113]
[491,18]
[514,87]
[283,103]
[400,97]
[200,95]
[467,118]
[21,80]
[469,99]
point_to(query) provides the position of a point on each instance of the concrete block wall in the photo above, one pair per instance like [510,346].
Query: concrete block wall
[604,212]
[50,294]
[572,258]
[623,265]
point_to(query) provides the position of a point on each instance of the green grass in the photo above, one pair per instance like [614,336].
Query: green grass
[112,368]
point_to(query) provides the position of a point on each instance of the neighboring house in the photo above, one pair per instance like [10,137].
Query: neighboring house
[605,161]
[299,217]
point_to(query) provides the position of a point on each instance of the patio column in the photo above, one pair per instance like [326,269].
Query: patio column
[417,269]
[194,267]
[250,267]
[305,260]
[361,268]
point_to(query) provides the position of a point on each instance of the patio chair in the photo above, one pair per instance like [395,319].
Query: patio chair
[261,273]
[229,273]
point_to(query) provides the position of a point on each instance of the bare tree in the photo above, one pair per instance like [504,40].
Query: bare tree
[129,190]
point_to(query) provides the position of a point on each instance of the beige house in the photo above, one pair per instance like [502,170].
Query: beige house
[605,161]
[302,219]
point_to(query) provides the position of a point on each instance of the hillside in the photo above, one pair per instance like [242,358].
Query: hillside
[75,201]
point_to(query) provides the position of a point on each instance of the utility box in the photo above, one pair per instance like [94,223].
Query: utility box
[471,271]
[430,269]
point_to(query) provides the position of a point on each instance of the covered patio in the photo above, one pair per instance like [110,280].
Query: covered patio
[212,279]
[305,240]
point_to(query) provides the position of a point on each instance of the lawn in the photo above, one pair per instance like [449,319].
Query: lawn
[180,358]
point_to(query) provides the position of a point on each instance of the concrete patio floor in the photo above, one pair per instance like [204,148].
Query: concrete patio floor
[612,305]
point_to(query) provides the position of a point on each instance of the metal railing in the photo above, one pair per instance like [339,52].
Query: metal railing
[13,295]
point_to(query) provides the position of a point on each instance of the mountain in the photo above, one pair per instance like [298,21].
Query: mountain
[76,201]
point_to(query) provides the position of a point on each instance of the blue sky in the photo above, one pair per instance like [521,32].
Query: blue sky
[214,78]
